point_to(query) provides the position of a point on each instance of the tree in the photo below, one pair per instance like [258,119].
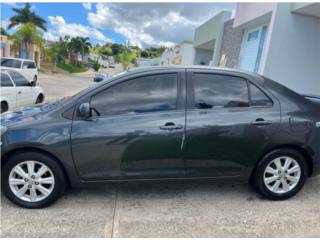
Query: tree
[3,32]
[126,58]
[117,49]
[96,66]
[25,15]
[80,44]
[106,51]
[26,35]
[58,52]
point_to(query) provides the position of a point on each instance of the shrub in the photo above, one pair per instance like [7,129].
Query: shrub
[96,66]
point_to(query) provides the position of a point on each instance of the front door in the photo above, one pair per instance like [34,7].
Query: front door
[138,134]
[224,132]
[252,49]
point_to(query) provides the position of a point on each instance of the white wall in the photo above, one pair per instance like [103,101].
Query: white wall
[187,51]
[293,57]
[202,55]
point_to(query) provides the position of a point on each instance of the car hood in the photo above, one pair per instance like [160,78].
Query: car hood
[25,115]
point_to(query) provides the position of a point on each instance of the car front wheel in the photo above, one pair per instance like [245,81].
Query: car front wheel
[281,174]
[32,180]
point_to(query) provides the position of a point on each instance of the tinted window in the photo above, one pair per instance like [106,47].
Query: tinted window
[140,95]
[5,80]
[18,79]
[258,98]
[28,65]
[11,63]
[215,91]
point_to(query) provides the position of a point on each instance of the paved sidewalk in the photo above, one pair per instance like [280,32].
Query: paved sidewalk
[168,210]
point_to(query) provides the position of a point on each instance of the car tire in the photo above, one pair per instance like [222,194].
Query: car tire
[280,174]
[4,107]
[39,99]
[46,188]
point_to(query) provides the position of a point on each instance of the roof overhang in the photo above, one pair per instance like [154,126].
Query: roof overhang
[258,21]
[308,9]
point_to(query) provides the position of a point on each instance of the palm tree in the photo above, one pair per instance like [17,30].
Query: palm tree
[26,35]
[80,44]
[126,58]
[24,16]
[3,32]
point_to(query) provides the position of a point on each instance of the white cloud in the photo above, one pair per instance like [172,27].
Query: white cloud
[61,28]
[154,23]
[4,23]
[87,5]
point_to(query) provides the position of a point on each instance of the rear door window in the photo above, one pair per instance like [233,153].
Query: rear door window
[219,91]
[29,65]
[258,98]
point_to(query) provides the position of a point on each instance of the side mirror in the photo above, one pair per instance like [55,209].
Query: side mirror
[84,110]
[33,83]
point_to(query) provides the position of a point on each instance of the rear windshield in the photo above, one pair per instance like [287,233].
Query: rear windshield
[11,63]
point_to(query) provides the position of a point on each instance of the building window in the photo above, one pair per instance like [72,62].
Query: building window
[253,36]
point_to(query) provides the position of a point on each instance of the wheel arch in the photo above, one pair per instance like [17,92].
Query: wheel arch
[4,158]
[304,152]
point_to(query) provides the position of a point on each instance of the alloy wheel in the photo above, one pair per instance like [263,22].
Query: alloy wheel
[31,181]
[282,175]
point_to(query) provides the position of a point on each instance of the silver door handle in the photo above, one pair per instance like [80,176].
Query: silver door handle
[261,122]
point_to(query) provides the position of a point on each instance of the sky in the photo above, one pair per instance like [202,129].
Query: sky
[142,24]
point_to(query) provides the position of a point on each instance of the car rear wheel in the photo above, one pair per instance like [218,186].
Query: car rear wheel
[281,174]
[4,107]
[32,180]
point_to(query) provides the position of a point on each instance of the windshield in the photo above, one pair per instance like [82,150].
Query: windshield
[11,63]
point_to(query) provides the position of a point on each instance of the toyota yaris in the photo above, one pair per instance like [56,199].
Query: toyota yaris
[163,123]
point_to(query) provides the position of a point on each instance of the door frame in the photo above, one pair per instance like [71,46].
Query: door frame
[244,41]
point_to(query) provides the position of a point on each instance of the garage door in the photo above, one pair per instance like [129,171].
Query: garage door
[252,49]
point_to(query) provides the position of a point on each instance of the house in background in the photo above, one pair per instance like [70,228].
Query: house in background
[281,41]
[8,50]
[278,40]
[207,39]
[181,54]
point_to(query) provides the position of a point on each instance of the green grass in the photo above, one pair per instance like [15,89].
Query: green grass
[72,68]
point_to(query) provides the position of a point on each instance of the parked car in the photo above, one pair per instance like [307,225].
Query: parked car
[26,67]
[100,76]
[17,91]
[88,64]
[163,123]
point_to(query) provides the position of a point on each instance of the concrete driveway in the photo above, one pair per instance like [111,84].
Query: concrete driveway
[157,209]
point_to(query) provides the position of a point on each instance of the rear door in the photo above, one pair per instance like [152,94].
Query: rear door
[8,91]
[225,131]
[25,93]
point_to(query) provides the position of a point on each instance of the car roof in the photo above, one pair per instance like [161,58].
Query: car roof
[21,59]
[193,67]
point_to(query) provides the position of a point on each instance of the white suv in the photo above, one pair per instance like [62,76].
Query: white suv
[17,91]
[26,67]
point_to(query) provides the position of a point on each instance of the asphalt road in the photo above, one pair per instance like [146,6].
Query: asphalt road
[191,209]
